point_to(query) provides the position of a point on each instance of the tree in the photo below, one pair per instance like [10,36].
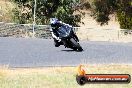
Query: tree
[61,9]
[23,11]
[121,8]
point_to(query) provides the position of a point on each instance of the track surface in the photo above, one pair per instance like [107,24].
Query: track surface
[19,52]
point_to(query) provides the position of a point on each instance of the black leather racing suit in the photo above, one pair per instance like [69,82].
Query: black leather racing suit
[55,35]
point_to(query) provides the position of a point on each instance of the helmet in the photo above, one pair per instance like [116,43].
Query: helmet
[54,20]
[55,23]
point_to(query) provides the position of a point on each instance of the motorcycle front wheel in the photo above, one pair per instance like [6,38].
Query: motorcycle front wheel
[75,45]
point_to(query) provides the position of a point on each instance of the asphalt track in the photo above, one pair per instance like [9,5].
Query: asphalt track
[20,52]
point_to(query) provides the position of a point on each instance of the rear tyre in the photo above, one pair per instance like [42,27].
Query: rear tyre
[75,45]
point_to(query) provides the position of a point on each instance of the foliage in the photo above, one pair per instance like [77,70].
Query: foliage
[124,14]
[122,8]
[62,9]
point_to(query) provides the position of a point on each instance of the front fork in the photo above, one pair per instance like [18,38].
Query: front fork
[65,43]
[76,38]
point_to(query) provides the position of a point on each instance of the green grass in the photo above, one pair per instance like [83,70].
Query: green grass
[58,77]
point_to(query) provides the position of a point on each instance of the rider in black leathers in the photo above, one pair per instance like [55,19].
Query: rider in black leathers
[55,24]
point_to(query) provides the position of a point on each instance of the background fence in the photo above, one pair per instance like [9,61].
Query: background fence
[43,31]
[24,30]
[99,34]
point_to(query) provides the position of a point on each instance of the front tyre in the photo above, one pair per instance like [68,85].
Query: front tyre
[75,45]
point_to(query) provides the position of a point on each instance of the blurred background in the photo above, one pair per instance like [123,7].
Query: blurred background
[106,20]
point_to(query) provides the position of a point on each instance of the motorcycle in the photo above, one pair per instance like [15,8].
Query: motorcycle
[69,38]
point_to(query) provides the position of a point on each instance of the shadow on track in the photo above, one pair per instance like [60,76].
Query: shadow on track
[71,51]
[68,50]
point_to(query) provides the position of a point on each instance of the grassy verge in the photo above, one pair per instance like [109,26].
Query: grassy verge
[58,77]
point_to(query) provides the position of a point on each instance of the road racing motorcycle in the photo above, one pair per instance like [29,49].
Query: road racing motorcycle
[69,38]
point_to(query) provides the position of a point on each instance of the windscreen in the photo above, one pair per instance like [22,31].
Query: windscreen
[64,31]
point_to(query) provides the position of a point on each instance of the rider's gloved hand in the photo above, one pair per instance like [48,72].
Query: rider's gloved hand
[58,39]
